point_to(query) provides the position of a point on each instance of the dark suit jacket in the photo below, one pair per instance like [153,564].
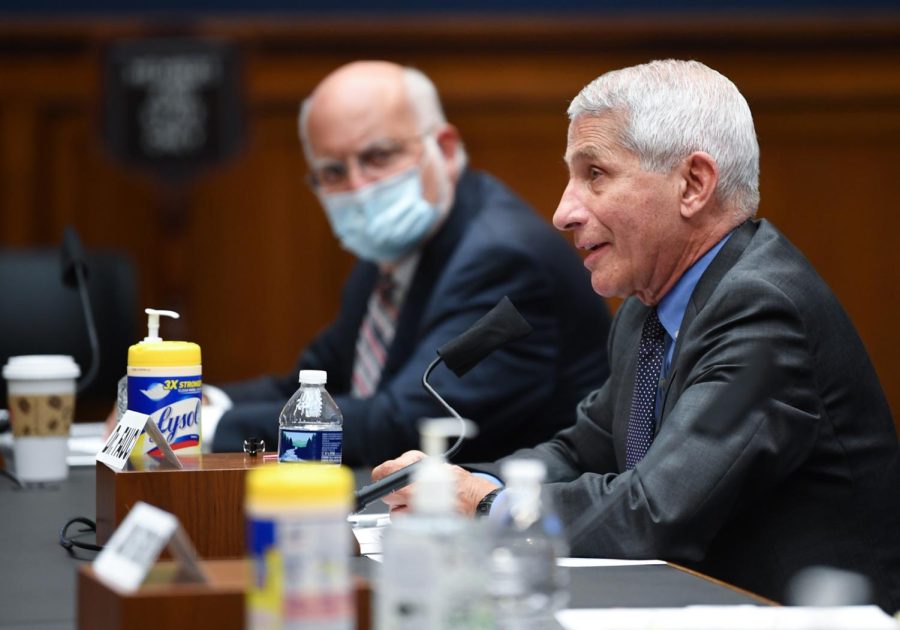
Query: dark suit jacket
[811,477]
[491,245]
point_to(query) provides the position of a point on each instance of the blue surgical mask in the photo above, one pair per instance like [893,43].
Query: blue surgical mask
[384,220]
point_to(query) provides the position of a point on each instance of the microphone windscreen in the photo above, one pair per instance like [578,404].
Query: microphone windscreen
[501,325]
[72,257]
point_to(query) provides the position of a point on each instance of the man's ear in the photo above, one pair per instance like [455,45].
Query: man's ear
[699,178]
[449,141]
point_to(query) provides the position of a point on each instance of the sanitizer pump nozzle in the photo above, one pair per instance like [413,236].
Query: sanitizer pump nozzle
[435,489]
[153,323]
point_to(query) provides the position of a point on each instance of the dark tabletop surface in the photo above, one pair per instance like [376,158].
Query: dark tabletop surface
[38,577]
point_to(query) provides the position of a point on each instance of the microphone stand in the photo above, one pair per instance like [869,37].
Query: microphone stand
[501,325]
[73,262]
[402,477]
[454,449]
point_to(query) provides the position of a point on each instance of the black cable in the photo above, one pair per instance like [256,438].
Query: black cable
[70,544]
[11,476]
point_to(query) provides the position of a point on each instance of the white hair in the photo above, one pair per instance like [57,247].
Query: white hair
[423,100]
[672,108]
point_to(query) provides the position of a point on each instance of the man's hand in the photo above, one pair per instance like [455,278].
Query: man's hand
[470,489]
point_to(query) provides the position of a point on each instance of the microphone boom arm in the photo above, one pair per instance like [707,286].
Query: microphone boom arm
[499,326]
[453,450]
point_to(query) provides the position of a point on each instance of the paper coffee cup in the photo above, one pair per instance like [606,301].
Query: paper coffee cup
[41,401]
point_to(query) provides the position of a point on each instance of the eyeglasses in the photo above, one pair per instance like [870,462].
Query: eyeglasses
[374,162]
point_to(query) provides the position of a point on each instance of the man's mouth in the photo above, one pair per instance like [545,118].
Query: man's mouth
[591,247]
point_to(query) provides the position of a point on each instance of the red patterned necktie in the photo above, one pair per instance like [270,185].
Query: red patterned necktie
[642,419]
[375,336]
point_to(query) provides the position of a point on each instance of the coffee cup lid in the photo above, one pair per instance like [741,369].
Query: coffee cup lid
[41,367]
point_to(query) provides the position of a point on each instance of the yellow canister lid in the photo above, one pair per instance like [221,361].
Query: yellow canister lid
[299,484]
[163,354]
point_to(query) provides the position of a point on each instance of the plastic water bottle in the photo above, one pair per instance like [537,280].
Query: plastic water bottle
[310,428]
[526,585]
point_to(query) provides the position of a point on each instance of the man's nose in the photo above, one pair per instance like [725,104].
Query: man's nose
[356,178]
[566,216]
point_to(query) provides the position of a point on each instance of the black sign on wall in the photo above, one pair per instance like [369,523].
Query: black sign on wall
[173,105]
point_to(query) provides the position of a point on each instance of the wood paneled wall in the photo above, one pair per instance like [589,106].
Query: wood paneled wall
[244,251]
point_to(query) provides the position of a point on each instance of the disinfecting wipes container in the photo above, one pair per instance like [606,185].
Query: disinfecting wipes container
[298,541]
[165,382]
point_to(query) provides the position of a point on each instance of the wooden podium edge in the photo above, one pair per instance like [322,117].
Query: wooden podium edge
[731,587]
[219,604]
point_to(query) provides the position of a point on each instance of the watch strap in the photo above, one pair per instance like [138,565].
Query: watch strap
[484,506]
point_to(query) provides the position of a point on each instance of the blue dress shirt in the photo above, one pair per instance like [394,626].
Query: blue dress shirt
[672,307]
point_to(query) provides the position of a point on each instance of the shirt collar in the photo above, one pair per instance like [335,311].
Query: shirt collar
[672,307]
[402,276]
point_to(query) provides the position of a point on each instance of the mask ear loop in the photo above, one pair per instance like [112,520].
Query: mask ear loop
[69,545]
[432,151]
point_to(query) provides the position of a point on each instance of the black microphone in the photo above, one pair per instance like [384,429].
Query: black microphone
[499,326]
[74,275]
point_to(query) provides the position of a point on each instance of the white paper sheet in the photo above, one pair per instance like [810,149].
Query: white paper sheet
[603,562]
[728,618]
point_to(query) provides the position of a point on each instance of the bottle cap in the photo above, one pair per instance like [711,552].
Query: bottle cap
[313,377]
[163,354]
[523,471]
[300,484]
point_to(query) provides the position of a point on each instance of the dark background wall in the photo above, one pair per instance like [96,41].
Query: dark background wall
[418,7]
[244,252]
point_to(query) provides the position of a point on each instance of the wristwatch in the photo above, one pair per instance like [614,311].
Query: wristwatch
[484,506]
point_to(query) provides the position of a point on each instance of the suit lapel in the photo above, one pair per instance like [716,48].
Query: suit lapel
[435,256]
[721,264]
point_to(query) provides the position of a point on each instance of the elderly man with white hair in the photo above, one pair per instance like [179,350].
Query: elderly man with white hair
[662,194]
[438,245]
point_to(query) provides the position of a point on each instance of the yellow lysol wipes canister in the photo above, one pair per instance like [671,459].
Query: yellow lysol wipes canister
[299,543]
[165,382]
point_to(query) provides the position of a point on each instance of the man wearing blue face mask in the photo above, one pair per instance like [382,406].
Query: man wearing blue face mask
[438,246]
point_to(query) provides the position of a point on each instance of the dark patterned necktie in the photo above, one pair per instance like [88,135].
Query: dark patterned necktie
[642,418]
[375,337]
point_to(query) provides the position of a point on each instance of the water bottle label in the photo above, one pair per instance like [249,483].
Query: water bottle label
[299,445]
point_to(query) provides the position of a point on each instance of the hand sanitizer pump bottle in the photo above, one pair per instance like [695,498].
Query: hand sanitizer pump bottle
[434,569]
[164,381]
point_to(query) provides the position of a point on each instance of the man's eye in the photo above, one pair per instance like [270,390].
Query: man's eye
[594,173]
[331,174]
[377,158]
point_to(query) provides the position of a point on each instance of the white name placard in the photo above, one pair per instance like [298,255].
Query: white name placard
[121,441]
[136,544]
